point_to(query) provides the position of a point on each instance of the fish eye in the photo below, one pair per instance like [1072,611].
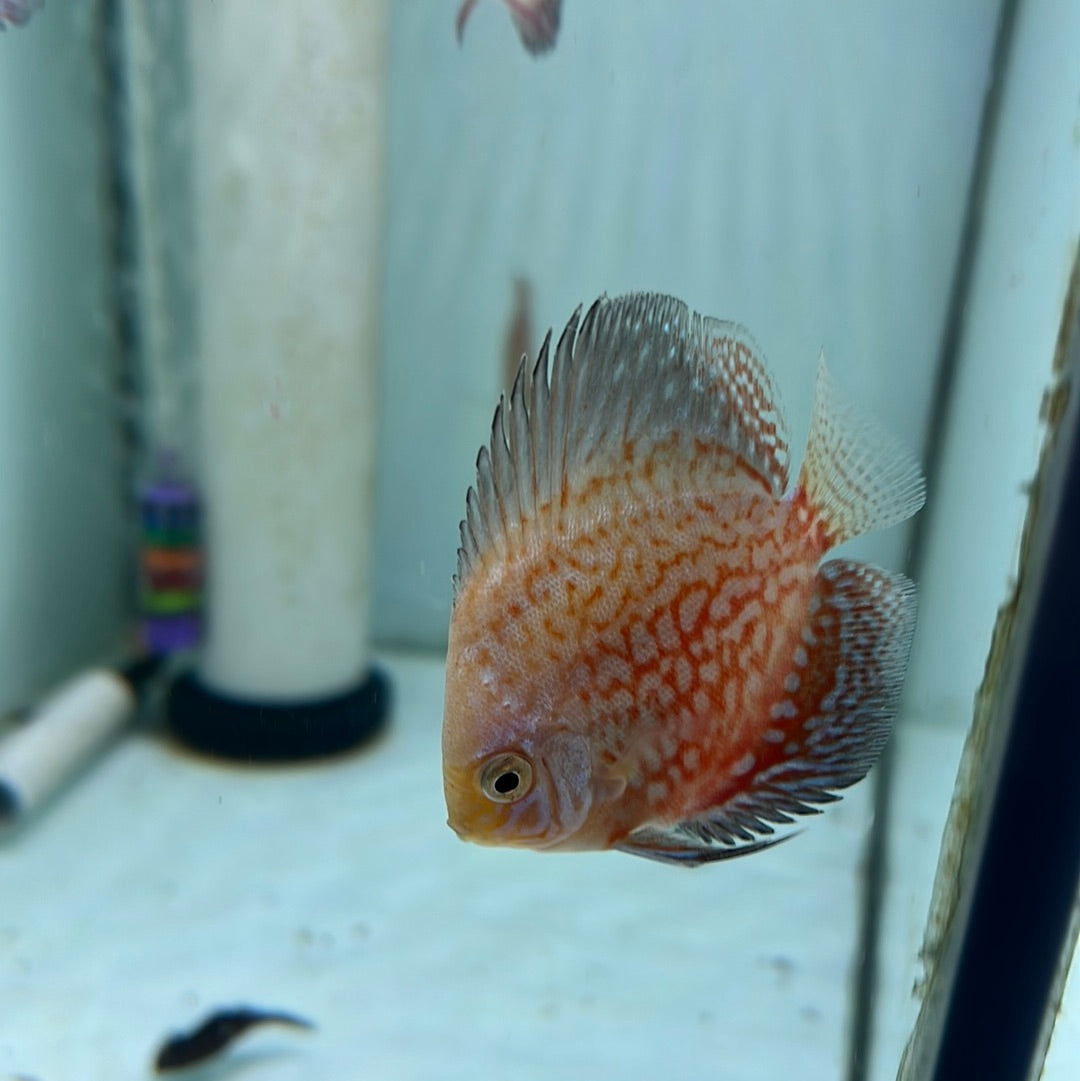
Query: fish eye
[506,778]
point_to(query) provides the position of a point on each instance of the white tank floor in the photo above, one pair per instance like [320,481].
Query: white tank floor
[163,886]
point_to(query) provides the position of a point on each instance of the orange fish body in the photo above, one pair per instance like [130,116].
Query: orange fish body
[645,650]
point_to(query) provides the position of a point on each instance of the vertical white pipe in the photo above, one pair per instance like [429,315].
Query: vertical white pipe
[289,149]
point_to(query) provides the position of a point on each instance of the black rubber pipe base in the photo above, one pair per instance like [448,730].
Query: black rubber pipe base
[237,728]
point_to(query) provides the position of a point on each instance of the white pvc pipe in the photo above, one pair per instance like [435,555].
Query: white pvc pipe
[289,164]
[75,722]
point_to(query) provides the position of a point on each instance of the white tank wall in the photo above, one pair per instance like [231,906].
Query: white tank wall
[1013,318]
[1031,223]
[62,561]
[802,174]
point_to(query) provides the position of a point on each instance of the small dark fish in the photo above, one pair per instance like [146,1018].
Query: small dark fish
[216,1033]
[17,12]
[537,22]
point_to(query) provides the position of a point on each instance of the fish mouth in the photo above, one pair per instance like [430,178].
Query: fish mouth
[502,839]
[469,815]
[472,836]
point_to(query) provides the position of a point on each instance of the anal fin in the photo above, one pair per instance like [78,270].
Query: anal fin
[676,847]
[825,730]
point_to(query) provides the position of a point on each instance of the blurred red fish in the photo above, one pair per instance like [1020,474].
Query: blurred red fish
[646,652]
[17,12]
[537,22]
[519,332]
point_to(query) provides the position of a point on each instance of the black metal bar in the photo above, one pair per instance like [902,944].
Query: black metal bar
[1029,873]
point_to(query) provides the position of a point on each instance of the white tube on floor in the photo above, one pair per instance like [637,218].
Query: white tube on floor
[64,733]
[289,164]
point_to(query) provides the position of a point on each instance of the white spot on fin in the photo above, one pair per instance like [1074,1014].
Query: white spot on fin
[743,766]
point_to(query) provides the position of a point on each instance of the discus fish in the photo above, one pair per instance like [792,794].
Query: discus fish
[17,12]
[537,22]
[646,652]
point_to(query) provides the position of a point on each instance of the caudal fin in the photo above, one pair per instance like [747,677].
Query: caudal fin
[856,476]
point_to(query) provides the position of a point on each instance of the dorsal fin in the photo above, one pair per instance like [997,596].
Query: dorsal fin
[635,370]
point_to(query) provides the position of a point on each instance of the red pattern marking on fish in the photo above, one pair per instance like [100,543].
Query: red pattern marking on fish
[667,612]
